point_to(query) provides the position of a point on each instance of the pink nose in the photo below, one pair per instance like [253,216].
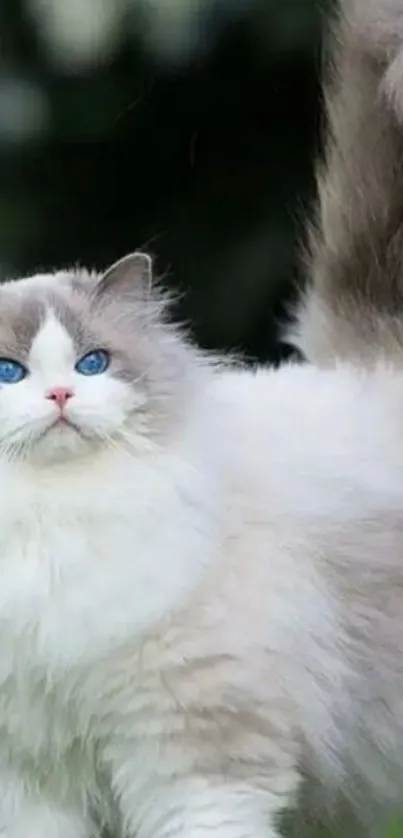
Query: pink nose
[60,395]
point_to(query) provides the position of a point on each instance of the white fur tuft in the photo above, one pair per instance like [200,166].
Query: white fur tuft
[176,622]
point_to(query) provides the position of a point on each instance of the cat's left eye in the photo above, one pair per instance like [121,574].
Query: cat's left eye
[94,363]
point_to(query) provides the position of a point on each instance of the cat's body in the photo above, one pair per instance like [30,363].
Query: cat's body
[187,615]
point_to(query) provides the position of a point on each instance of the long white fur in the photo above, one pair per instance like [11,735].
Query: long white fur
[180,625]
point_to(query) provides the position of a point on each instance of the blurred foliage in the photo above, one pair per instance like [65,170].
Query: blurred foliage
[188,127]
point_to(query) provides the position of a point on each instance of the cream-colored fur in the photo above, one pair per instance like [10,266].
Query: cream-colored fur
[186,624]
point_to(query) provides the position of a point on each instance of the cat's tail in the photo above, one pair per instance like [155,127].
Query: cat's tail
[353,305]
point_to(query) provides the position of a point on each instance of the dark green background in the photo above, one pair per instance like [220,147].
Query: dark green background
[206,159]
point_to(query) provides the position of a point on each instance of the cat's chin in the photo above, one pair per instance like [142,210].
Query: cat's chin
[63,428]
[61,441]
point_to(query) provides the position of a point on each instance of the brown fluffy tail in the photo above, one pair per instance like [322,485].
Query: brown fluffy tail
[353,306]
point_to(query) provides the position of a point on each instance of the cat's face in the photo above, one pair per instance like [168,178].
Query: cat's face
[84,362]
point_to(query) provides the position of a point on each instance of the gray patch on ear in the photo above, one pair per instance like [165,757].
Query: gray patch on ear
[130,274]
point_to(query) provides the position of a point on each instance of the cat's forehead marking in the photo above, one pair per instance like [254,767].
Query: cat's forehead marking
[21,318]
[25,304]
[72,315]
[52,347]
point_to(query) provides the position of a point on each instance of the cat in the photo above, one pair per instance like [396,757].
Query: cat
[201,584]
[353,304]
[201,587]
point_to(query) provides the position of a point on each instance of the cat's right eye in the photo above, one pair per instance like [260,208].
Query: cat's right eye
[11,372]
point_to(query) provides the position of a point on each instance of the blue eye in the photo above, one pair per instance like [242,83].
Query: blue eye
[11,372]
[94,363]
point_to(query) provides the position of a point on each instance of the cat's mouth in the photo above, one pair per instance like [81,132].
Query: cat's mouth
[63,424]
[63,421]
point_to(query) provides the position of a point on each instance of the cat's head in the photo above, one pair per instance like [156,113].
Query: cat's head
[86,361]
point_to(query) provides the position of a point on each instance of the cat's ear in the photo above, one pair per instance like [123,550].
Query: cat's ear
[130,274]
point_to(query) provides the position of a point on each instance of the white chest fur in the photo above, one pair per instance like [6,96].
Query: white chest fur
[86,562]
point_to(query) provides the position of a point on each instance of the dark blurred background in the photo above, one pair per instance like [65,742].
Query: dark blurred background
[187,127]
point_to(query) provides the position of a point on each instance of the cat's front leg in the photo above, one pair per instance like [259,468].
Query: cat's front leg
[201,807]
[204,770]
[25,813]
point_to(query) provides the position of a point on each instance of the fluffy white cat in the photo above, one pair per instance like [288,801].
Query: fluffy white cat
[201,583]
[201,575]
